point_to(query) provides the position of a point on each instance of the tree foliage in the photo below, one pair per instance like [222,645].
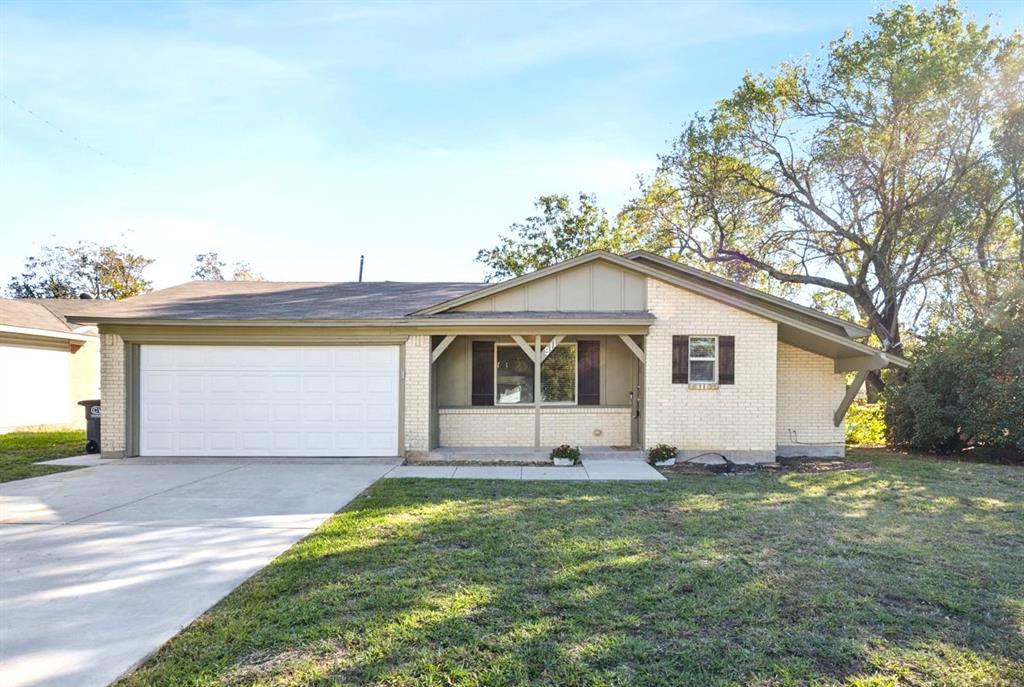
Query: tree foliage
[210,267]
[888,172]
[560,231]
[965,388]
[107,272]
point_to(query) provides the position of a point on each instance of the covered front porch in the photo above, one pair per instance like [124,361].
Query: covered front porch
[514,395]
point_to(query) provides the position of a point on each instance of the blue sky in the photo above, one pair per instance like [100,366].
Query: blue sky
[298,136]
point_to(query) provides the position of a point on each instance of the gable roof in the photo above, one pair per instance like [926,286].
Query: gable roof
[656,266]
[800,325]
[282,301]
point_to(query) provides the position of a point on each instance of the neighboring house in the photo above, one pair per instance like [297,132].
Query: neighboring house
[635,350]
[46,365]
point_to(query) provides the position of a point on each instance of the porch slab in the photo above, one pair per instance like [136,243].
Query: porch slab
[485,455]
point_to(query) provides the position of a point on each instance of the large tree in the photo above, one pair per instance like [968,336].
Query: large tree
[561,231]
[885,172]
[101,271]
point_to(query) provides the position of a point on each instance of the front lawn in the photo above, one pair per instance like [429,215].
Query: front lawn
[908,574]
[19,452]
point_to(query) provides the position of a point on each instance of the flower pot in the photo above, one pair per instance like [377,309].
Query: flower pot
[564,462]
[665,463]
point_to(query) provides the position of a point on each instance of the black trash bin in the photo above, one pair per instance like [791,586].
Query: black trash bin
[92,425]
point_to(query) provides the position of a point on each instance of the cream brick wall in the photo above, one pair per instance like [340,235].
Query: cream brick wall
[486,426]
[735,419]
[112,396]
[417,393]
[576,426]
[809,393]
[490,426]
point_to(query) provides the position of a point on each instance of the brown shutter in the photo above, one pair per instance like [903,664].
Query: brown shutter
[680,359]
[727,360]
[588,372]
[483,373]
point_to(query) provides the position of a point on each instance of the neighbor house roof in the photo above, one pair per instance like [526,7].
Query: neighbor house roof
[283,301]
[41,317]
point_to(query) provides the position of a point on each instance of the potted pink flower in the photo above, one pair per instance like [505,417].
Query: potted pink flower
[565,455]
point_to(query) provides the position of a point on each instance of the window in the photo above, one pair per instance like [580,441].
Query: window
[513,381]
[702,359]
[558,375]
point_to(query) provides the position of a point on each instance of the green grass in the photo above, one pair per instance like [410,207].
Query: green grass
[19,452]
[908,574]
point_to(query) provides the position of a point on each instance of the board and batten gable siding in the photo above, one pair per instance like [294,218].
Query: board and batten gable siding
[809,391]
[736,419]
[597,286]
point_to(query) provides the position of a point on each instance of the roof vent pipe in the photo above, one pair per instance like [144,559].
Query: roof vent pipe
[361,267]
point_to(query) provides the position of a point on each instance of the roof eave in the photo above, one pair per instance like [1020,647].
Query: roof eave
[393,322]
[45,333]
[852,329]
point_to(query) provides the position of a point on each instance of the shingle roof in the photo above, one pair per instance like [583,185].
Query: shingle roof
[283,301]
[35,313]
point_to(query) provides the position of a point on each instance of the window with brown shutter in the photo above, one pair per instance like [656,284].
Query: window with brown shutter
[727,360]
[588,370]
[680,359]
[483,373]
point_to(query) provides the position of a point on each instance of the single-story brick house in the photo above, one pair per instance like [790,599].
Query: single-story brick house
[47,365]
[634,350]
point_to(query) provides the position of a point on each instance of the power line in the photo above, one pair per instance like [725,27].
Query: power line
[91,148]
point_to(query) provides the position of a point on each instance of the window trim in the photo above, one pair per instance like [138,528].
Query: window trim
[690,358]
[575,371]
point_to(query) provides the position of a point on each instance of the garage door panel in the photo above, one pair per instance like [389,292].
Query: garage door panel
[269,400]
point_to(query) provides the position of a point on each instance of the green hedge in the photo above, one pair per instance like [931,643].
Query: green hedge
[964,389]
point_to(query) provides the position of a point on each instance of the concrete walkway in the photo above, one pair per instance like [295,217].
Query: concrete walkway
[590,470]
[100,566]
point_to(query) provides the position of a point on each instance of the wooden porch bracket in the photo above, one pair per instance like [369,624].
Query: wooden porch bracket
[441,347]
[851,393]
[552,345]
[637,351]
[530,353]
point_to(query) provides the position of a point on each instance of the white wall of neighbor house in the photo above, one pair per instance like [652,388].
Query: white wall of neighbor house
[809,391]
[595,286]
[738,420]
[35,378]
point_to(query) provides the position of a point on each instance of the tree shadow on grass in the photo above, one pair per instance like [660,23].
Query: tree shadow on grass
[695,581]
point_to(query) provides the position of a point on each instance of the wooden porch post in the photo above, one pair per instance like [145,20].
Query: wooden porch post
[536,391]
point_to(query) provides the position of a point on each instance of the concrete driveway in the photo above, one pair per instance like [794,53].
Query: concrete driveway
[100,566]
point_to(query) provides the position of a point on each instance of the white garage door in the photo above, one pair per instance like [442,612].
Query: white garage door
[268,401]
